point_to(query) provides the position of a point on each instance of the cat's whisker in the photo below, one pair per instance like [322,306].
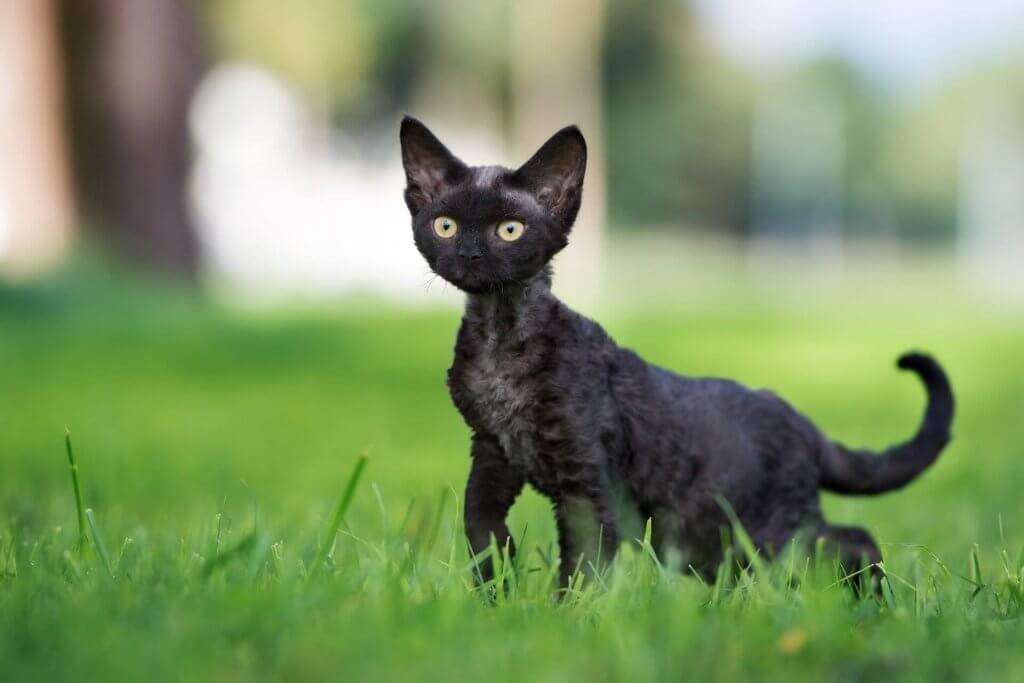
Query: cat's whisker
[430,278]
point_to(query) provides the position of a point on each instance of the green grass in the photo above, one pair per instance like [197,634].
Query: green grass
[217,452]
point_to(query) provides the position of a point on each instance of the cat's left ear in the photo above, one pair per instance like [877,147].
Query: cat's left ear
[429,167]
[555,173]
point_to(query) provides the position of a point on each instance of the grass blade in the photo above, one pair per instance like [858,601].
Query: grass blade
[339,516]
[97,539]
[221,559]
[83,537]
[435,526]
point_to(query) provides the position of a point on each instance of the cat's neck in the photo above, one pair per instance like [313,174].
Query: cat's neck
[514,310]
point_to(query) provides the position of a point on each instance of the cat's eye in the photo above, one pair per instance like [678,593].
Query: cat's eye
[445,227]
[510,231]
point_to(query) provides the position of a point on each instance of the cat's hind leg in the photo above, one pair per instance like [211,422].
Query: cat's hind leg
[858,555]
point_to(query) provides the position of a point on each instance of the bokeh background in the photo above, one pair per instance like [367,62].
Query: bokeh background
[207,271]
[254,148]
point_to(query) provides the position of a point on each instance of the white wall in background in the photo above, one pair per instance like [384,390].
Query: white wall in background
[283,212]
[991,202]
[908,45]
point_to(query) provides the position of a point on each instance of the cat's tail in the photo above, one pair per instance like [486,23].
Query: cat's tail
[858,472]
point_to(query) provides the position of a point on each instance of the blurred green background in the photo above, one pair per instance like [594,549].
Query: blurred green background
[254,148]
[181,408]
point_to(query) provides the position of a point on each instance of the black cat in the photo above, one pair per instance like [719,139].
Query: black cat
[553,402]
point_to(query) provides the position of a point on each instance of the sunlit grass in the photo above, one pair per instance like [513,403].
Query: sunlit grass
[233,533]
[397,586]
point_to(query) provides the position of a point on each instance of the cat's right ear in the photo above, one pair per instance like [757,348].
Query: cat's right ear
[555,173]
[429,167]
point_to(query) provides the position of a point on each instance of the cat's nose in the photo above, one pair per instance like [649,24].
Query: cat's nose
[471,254]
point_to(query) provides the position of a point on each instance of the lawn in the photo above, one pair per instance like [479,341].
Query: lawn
[214,445]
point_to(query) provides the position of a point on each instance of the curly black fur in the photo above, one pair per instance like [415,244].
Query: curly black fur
[552,401]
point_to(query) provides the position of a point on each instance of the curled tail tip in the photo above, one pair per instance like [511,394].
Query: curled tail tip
[924,365]
[939,415]
[917,361]
[861,472]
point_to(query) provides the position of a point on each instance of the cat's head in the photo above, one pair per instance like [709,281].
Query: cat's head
[484,228]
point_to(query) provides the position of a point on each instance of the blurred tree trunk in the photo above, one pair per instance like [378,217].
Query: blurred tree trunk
[36,208]
[131,68]
[555,55]
[458,93]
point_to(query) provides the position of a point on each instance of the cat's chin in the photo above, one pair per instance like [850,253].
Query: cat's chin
[474,285]
[467,280]
[470,286]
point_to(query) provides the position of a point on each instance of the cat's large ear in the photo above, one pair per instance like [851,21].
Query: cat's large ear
[429,166]
[555,173]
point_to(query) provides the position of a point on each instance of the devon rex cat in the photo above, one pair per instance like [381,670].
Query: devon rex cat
[552,401]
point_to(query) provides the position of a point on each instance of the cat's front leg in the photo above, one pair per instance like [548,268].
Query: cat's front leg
[587,535]
[492,488]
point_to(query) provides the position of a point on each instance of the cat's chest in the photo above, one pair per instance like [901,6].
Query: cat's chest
[496,387]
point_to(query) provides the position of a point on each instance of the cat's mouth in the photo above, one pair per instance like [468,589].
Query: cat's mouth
[472,283]
[470,280]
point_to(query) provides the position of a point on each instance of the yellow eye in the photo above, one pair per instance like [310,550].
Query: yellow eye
[510,231]
[445,227]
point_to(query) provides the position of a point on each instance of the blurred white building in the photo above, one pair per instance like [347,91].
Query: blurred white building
[287,207]
[991,199]
[282,212]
